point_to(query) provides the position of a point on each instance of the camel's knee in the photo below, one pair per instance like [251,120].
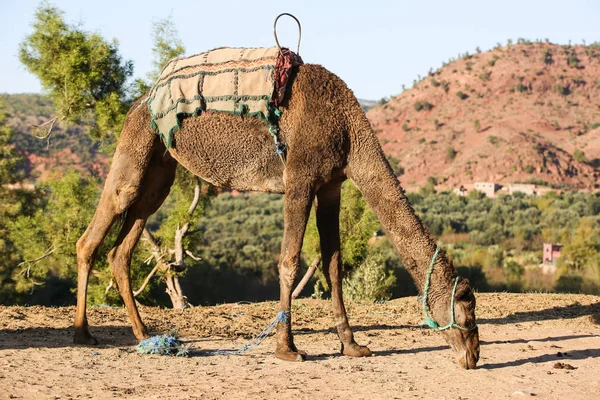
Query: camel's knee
[289,269]
[115,259]
[125,196]
[85,252]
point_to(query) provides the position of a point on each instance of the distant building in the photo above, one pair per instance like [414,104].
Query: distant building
[487,188]
[461,191]
[521,187]
[550,257]
[540,191]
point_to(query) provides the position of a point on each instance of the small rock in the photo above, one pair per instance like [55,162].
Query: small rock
[560,365]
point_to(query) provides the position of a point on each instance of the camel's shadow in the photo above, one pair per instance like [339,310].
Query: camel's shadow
[571,311]
[108,336]
[570,355]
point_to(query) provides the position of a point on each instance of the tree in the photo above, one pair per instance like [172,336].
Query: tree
[584,243]
[8,156]
[46,239]
[8,206]
[85,77]
[83,74]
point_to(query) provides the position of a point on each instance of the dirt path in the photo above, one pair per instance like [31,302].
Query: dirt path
[523,337]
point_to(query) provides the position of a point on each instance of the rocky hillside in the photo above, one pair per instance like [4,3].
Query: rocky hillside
[528,112]
[67,148]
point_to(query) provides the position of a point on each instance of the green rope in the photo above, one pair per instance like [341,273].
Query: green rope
[428,320]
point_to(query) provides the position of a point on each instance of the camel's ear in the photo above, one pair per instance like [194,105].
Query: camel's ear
[463,290]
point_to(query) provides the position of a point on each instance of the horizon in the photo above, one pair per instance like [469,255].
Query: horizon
[361,57]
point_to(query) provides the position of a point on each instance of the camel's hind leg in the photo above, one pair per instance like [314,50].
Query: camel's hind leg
[122,187]
[297,203]
[328,223]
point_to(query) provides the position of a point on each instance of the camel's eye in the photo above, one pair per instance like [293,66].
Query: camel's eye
[463,291]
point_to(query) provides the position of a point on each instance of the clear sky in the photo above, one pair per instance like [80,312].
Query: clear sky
[375,46]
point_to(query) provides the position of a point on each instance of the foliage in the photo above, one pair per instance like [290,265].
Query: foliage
[167,44]
[370,281]
[563,90]
[82,73]
[450,153]
[8,156]
[9,207]
[395,164]
[45,240]
[547,57]
[358,224]
[573,61]
[521,87]
[461,95]
[423,105]
[579,155]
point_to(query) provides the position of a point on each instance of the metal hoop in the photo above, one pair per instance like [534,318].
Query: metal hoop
[299,30]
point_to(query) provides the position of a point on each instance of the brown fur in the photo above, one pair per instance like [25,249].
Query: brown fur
[329,140]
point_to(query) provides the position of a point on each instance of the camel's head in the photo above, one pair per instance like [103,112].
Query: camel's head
[463,339]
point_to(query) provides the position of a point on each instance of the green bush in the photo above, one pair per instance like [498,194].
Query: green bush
[579,155]
[450,153]
[422,105]
[495,140]
[562,89]
[573,61]
[529,169]
[547,57]
[462,95]
[522,87]
[492,62]
[370,281]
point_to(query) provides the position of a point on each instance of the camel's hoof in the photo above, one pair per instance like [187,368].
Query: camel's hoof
[291,355]
[84,337]
[355,350]
[143,336]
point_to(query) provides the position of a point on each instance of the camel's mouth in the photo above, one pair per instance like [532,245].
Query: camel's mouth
[467,350]
[468,359]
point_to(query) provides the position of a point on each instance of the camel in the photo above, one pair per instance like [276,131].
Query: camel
[329,140]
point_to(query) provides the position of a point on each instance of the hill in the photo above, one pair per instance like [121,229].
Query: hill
[528,112]
[68,147]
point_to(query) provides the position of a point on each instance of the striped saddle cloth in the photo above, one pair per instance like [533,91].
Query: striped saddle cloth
[239,81]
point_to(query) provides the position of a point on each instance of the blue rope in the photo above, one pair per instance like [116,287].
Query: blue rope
[428,320]
[282,316]
[163,345]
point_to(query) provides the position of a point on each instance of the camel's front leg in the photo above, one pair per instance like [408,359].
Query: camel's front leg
[297,205]
[328,223]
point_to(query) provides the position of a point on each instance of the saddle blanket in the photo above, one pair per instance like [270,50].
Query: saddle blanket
[239,81]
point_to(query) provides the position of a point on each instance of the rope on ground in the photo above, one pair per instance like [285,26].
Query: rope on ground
[282,316]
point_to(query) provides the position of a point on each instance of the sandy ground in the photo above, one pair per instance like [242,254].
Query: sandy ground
[523,337]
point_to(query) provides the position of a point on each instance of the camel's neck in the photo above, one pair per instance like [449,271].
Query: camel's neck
[370,171]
